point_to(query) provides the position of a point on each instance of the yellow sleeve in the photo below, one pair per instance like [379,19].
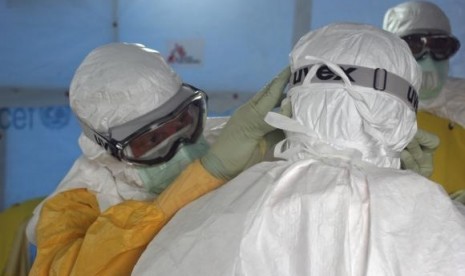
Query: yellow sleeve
[12,238]
[63,222]
[194,182]
[112,242]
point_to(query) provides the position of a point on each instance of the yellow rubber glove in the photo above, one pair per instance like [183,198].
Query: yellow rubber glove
[246,137]
[418,156]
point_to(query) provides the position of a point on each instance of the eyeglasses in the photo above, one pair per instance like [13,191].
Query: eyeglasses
[439,46]
[155,137]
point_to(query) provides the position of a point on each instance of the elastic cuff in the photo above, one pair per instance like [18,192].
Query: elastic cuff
[214,166]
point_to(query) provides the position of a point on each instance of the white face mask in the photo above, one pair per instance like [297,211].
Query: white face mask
[157,178]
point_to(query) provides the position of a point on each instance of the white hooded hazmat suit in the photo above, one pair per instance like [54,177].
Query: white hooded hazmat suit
[101,216]
[103,96]
[444,114]
[420,16]
[337,204]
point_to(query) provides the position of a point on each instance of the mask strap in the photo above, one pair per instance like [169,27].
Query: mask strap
[332,66]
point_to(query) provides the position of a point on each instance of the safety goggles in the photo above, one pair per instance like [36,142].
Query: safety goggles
[155,137]
[439,46]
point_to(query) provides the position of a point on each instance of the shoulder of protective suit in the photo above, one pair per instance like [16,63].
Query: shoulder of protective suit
[391,175]
[454,84]
[454,92]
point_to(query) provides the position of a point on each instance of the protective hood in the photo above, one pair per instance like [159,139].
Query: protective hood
[343,118]
[114,84]
[317,212]
[416,16]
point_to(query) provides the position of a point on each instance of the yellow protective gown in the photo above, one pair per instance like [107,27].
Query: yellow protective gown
[74,238]
[14,255]
[449,158]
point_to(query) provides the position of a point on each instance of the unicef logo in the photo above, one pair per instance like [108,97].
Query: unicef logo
[55,117]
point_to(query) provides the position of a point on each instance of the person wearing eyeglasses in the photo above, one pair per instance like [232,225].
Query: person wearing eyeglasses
[145,156]
[427,31]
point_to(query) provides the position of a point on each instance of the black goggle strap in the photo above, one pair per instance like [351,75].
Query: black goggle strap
[110,146]
[378,79]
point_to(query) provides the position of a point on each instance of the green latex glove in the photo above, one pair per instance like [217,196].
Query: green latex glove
[418,156]
[246,137]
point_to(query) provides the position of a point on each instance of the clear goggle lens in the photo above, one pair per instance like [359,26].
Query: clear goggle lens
[161,140]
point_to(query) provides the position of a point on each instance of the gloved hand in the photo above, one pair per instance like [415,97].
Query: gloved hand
[418,156]
[246,137]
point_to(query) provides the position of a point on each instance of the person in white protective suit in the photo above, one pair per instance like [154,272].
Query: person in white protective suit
[144,158]
[141,147]
[337,203]
[427,31]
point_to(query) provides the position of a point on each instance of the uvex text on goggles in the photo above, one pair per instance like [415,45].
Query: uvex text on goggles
[155,137]
[377,79]
[439,46]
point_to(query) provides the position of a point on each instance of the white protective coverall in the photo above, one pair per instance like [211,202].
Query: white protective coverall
[112,180]
[443,115]
[419,17]
[101,216]
[337,204]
